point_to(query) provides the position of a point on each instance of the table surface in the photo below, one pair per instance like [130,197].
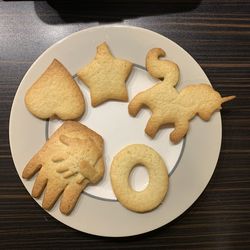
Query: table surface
[217,35]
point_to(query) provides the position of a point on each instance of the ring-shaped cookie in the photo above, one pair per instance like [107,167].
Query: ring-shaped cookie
[124,162]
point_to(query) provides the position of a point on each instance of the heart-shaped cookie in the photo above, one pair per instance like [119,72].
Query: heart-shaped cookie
[55,94]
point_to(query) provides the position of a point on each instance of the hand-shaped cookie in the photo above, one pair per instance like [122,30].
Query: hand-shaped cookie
[67,163]
[170,106]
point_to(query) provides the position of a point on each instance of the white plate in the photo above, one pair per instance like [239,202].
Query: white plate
[190,164]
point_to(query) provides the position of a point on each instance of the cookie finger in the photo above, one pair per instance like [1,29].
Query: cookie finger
[31,168]
[40,184]
[52,193]
[71,195]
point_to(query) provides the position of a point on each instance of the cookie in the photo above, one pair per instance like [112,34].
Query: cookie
[170,106]
[162,69]
[122,164]
[70,160]
[106,76]
[55,94]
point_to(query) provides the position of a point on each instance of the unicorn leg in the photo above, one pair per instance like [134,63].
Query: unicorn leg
[136,104]
[181,128]
[153,125]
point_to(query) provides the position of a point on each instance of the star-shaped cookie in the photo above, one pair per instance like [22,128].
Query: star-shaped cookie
[106,76]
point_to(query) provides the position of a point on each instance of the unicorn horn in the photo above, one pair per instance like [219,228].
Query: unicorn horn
[227,98]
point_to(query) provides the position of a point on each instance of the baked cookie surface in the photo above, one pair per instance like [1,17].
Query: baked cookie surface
[170,106]
[70,160]
[55,94]
[106,76]
[123,163]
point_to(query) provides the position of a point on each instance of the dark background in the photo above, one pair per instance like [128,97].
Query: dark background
[217,35]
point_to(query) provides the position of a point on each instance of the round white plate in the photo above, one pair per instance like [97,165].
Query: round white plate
[190,163]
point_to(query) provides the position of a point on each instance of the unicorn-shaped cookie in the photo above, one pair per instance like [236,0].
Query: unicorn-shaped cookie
[169,106]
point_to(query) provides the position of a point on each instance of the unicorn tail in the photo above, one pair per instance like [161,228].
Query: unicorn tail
[162,68]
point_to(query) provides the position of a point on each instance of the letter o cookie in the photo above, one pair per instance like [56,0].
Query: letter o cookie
[124,162]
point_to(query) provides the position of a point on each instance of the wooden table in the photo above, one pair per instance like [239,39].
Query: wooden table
[217,35]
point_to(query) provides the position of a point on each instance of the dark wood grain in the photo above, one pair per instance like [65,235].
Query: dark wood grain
[217,35]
